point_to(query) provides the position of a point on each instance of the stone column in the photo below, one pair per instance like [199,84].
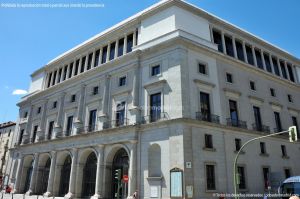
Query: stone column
[93,59]
[99,175]
[234,47]
[223,43]
[78,123]
[135,109]
[68,71]
[74,68]
[19,175]
[279,66]
[132,168]
[125,45]
[116,48]
[42,129]
[287,71]
[108,52]
[79,66]
[103,114]
[245,52]
[72,182]
[134,38]
[254,56]
[62,74]
[100,56]
[51,175]
[33,180]
[295,74]
[86,62]
[57,77]
[263,60]
[58,123]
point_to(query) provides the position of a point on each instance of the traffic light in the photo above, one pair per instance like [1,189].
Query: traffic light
[293,134]
[118,174]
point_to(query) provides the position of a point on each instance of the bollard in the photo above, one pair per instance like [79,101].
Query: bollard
[12,196]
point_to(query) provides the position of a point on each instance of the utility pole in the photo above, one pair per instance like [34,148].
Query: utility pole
[292,138]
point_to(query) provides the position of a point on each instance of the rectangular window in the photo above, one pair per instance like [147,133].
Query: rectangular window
[266,176]
[120,47]
[50,130]
[282,66]
[122,81]
[155,107]
[112,51]
[277,122]
[242,176]
[290,70]
[71,70]
[275,65]
[208,141]
[69,126]
[295,123]
[259,59]
[229,78]
[272,92]
[233,113]
[54,105]
[218,40]
[268,62]
[129,43]
[155,70]
[65,72]
[49,80]
[202,68]
[25,114]
[238,144]
[249,55]
[54,77]
[92,120]
[262,147]
[240,51]
[35,129]
[205,106]
[120,114]
[229,46]
[97,55]
[73,98]
[76,67]
[82,64]
[21,136]
[252,85]
[287,173]
[257,118]
[90,58]
[210,177]
[283,151]
[290,98]
[95,90]
[104,55]
[39,110]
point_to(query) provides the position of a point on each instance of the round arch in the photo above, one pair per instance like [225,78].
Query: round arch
[26,173]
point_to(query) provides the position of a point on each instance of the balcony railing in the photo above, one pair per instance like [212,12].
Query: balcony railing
[237,123]
[154,118]
[115,123]
[88,129]
[208,117]
[261,128]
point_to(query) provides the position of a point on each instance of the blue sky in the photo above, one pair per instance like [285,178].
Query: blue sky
[30,37]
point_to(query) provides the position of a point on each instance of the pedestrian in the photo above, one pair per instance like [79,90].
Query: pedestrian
[134,196]
[8,189]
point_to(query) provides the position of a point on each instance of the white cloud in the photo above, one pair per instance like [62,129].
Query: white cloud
[19,92]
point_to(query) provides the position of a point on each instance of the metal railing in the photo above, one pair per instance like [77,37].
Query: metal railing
[236,123]
[154,118]
[115,123]
[208,117]
[261,128]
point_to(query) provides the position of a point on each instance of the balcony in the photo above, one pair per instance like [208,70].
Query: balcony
[115,123]
[261,128]
[88,129]
[236,123]
[208,118]
[154,118]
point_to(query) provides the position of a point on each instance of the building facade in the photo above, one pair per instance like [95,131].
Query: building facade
[7,136]
[159,104]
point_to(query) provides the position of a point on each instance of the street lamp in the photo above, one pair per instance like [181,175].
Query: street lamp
[292,137]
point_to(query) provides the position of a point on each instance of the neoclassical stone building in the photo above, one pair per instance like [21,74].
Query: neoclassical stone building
[159,104]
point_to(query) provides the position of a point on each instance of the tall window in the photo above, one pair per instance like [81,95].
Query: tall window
[233,112]
[122,81]
[89,64]
[208,141]
[229,46]
[262,148]
[290,70]
[82,64]
[283,70]
[120,47]
[21,136]
[290,98]
[275,65]
[257,118]
[252,85]
[120,114]
[202,68]
[229,78]
[69,126]
[205,106]
[283,151]
[249,55]
[268,62]
[218,40]
[240,51]
[272,92]
[104,55]
[129,43]
[277,121]
[266,176]
[95,90]
[112,51]
[210,177]
[97,55]
[241,173]
[155,107]
[92,120]
[238,144]
[35,128]
[50,130]
[259,59]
